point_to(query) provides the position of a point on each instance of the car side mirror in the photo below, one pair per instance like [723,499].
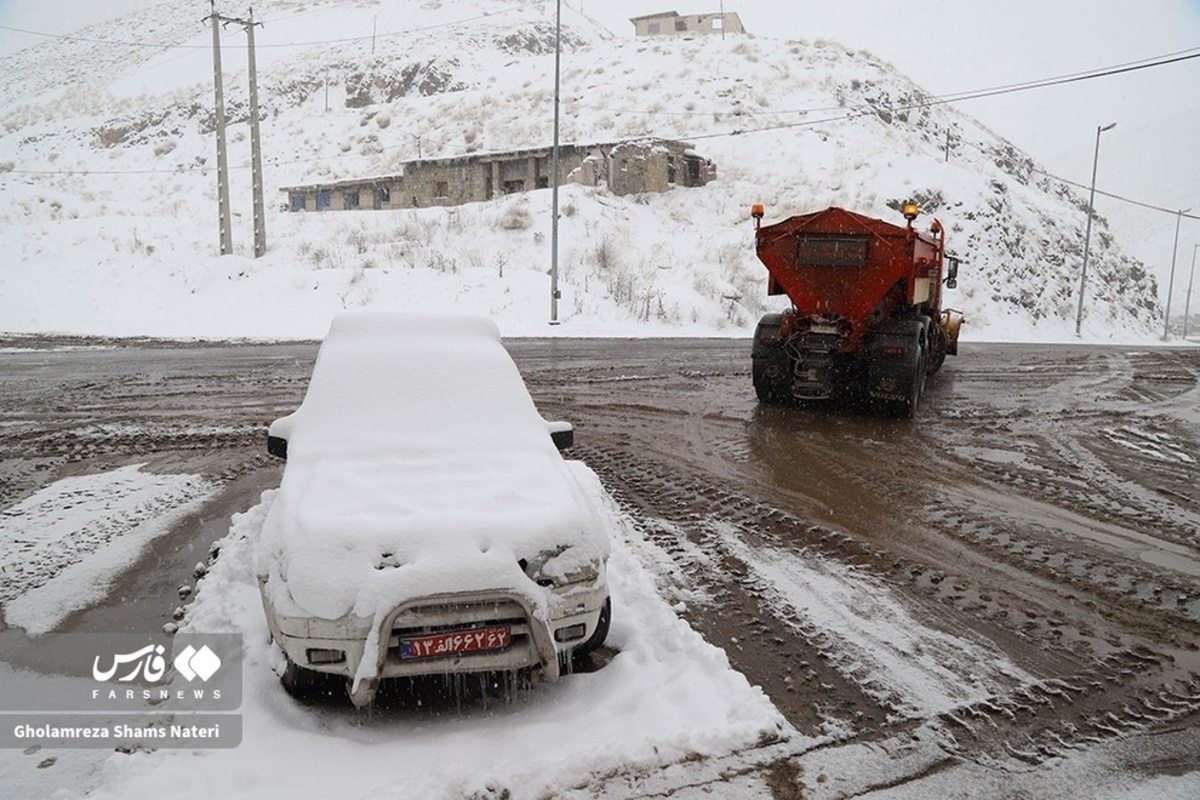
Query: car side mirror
[562,434]
[277,446]
[952,272]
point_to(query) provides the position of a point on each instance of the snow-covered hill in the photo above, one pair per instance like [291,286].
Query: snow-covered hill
[108,188]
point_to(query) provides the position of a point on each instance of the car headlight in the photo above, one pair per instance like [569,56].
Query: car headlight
[562,566]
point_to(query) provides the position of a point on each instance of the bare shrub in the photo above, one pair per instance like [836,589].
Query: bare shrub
[516,218]
[357,238]
[326,258]
[443,263]
[606,255]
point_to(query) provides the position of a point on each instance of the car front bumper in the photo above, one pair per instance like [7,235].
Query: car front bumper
[341,646]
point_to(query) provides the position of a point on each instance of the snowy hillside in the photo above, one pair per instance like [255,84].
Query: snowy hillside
[108,189]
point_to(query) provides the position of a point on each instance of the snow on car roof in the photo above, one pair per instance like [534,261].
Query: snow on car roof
[417,464]
[415,380]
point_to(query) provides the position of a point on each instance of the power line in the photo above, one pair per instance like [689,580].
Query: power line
[314,43]
[66,37]
[1172,211]
[972,94]
[86,172]
[1157,61]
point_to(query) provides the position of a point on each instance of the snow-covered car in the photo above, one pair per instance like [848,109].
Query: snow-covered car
[426,522]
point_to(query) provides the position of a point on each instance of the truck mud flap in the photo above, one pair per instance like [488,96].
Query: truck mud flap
[895,365]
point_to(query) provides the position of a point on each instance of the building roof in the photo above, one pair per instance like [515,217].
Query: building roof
[655,16]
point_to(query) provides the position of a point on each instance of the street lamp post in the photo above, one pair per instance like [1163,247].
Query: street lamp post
[1171,280]
[554,293]
[1187,306]
[1087,236]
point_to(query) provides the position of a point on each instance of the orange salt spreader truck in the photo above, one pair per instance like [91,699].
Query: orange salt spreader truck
[866,320]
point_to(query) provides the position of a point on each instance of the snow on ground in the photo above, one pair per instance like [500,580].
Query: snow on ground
[61,548]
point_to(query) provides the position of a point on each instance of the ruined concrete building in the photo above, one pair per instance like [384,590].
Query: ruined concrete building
[630,167]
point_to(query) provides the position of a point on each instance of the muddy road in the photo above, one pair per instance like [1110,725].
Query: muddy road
[1042,509]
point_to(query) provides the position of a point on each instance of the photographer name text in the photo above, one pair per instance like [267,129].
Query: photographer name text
[116,731]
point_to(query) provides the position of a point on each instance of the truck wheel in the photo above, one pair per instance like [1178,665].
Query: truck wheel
[907,408]
[771,368]
[938,345]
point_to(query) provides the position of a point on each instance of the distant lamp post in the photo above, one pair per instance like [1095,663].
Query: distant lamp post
[554,293]
[1087,236]
[1171,280]
[1187,306]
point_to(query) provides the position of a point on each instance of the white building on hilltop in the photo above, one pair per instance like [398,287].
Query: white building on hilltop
[666,23]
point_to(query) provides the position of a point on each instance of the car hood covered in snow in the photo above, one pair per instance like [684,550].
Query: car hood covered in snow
[418,465]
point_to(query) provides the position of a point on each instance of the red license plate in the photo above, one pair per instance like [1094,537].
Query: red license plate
[476,640]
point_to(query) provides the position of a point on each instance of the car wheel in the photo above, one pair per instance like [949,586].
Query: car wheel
[300,682]
[596,640]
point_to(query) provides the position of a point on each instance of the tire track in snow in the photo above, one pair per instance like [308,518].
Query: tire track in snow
[62,547]
[720,554]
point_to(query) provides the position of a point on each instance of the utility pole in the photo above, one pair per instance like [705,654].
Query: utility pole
[1087,236]
[1187,306]
[1171,282]
[260,221]
[222,160]
[554,292]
